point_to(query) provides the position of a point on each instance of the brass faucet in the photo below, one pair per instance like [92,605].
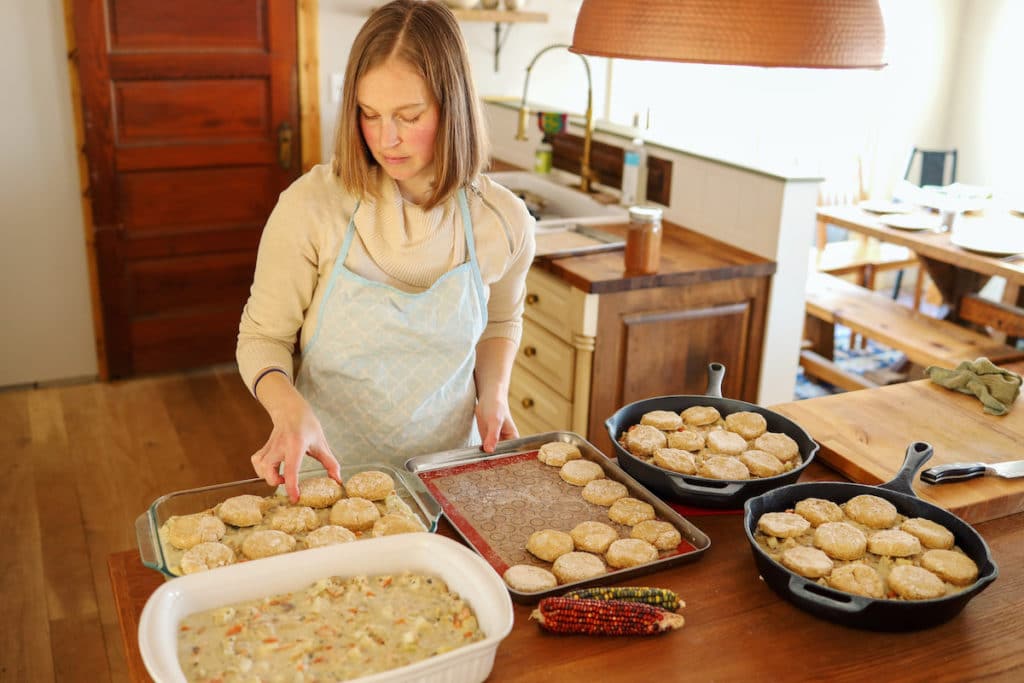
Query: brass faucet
[586,174]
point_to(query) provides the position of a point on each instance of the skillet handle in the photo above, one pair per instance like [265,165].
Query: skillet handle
[807,590]
[918,453]
[683,487]
[716,373]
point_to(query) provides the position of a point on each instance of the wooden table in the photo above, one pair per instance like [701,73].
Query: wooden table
[955,271]
[737,628]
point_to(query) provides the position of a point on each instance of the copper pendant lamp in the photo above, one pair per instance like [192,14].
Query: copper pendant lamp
[816,34]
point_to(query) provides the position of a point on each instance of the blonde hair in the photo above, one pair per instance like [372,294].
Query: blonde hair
[425,35]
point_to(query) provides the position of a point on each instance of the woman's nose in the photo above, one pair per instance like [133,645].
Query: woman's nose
[388,134]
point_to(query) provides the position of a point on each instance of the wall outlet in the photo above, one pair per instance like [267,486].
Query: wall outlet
[337,83]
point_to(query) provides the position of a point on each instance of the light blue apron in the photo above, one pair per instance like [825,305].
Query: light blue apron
[388,373]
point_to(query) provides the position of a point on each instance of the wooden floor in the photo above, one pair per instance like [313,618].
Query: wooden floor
[80,464]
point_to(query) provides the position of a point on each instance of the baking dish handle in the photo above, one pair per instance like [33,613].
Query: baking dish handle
[716,373]
[808,590]
[683,487]
[149,546]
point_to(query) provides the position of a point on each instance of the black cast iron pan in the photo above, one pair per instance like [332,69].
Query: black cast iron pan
[855,610]
[702,491]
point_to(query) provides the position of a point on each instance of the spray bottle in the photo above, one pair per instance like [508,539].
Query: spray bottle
[634,167]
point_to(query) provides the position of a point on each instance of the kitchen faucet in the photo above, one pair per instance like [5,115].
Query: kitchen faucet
[586,174]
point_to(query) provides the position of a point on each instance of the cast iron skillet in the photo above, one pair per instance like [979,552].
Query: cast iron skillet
[702,491]
[855,610]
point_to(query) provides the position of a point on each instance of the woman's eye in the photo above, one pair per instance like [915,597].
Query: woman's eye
[413,119]
[369,117]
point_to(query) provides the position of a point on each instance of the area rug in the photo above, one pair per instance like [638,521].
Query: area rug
[872,356]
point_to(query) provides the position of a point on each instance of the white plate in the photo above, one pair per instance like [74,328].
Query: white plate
[912,221]
[994,237]
[886,206]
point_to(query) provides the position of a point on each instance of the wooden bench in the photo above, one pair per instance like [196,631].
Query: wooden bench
[924,340]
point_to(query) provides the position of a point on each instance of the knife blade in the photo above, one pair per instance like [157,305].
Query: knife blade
[959,471]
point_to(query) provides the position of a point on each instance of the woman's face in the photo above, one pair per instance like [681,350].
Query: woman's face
[399,117]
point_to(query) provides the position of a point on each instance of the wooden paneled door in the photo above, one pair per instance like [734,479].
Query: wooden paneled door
[190,118]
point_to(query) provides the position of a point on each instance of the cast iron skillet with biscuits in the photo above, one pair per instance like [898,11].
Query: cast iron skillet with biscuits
[855,610]
[693,489]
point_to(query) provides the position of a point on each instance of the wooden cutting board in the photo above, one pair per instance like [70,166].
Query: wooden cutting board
[865,434]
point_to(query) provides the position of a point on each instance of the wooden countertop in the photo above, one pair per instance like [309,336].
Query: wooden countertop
[736,629]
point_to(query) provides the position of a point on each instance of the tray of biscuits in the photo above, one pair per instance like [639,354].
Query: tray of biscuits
[550,512]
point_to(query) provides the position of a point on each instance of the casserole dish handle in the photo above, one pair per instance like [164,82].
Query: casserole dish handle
[809,591]
[918,453]
[149,545]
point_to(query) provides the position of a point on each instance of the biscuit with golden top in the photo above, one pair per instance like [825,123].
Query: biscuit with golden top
[723,467]
[242,511]
[557,453]
[204,556]
[872,511]
[580,472]
[700,416]
[355,514]
[665,420]
[328,534]
[642,440]
[593,537]
[840,540]
[661,535]
[819,511]
[951,566]
[371,485]
[188,530]
[746,423]
[266,543]
[319,492]
[893,543]
[685,440]
[915,583]
[931,534]
[725,442]
[527,578]
[549,544]
[782,524]
[604,492]
[762,463]
[807,561]
[630,552]
[630,511]
[858,579]
[782,446]
[577,566]
[676,460]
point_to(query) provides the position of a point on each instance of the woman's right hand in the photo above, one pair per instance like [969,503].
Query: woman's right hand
[296,432]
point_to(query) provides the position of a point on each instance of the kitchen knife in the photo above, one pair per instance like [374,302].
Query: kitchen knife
[958,471]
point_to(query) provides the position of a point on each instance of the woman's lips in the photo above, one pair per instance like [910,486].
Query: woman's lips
[394,160]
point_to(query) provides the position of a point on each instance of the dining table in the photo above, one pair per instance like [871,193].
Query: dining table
[736,627]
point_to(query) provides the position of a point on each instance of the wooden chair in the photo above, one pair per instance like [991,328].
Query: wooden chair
[993,316]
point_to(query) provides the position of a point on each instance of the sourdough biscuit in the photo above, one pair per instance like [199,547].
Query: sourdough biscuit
[931,534]
[526,578]
[604,492]
[915,583]
[699,416]
[328,534]
[661,535]
[371,485]
[840,540]
[665,420]
[549,544]
[188,530]
[762,463]
[723,467]
[686,440]
[872,511]
[782,446]
[630,511]
[807,561]
[207,555]
[858,579]
[391,524]
[294,520]
[557,453]
[893,543]
[951,566]
[593,537]
[244,510]
[642,440]
[580,472]
[818,511]
[267,542]
[577,566]
[355,514]
[630,552]
[676,460]
[725,442]
[319,492]
[782,524]
[746,423]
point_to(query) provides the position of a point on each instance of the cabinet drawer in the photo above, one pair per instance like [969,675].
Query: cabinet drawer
[548,358]
[535,404]
[549,303]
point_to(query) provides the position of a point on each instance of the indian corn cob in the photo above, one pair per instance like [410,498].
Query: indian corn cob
[659,597]
[603,617]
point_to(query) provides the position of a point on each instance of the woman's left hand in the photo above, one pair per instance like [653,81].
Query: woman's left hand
[494,420]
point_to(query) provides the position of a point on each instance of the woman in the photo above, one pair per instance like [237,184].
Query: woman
[399,267]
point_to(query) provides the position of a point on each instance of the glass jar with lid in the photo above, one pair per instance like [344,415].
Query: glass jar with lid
[643,240]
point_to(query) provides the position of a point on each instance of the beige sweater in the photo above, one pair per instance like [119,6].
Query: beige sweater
[396,242]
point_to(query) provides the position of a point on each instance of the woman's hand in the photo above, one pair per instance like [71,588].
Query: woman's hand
[296,432]
[494,359]
[494,420]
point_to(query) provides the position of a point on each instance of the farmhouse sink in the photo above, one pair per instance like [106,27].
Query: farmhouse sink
[555,205]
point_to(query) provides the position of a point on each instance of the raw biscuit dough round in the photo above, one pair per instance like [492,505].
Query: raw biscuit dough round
[723,467]
[244,510]
[872,511]
[641,440]
[630,552]
[355,514]
[782,524]
[527,578]
[676,460]
[661,535]
[699,416]
[371,485]
[294,520]
[818,511]
[593,537]
[577,566]
[549,544]
[807,561]
[782,446]
[319,492]
[915,583]
[630,511]
[188,530]
[762,463]
[725,442]
[267,542]
[604,492]
[746,423]
[858,579]
[665,420]
[393,523]
[580,472]
[931,534]
[328,534]
[841,541]
[893,543]
[686,440]
[207,555]
[557,453]
[951,566]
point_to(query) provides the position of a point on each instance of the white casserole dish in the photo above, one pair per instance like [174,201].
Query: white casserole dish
[464,571]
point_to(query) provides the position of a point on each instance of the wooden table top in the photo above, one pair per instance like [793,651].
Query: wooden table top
[736,628]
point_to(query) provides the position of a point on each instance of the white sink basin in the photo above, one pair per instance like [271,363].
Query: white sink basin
[556,204]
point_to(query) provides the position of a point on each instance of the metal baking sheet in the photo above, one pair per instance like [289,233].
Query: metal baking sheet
[496,500]
[574,240]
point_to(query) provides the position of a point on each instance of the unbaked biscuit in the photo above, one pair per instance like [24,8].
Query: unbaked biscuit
[725,442]
[818,511]
[355,514]
[244,510]
[762,463]
[746,423]
[188,530]
[267,542]
[577,566]
[630,511]
[319,492]
[915,583]
[782,524]
[557,453]
[208,555]
[328,534]
[604,491]
[661,535]
[858,579]
[807,561]
[893,543]
[549,544]
[872,511]
[642,440]
[782,446]
[526,578]
[294,520]
[698,416]
[630,552]
[391,524]
[676,460]
[580,472]
[371,485]
[951,566]
[593,537]
[665,420]
[723,467]
[686,440]
[931,534]
[840,540]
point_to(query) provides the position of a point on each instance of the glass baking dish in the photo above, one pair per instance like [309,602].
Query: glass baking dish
[409,490]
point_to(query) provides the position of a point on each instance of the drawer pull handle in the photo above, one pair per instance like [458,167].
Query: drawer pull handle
[530,351]
[532,299]
[527,403]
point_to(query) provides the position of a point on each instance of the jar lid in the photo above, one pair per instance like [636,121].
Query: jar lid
[644,214]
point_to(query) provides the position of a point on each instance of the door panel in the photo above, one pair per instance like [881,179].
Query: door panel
[185,110]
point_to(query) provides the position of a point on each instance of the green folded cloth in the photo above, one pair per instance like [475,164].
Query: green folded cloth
[996,388]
